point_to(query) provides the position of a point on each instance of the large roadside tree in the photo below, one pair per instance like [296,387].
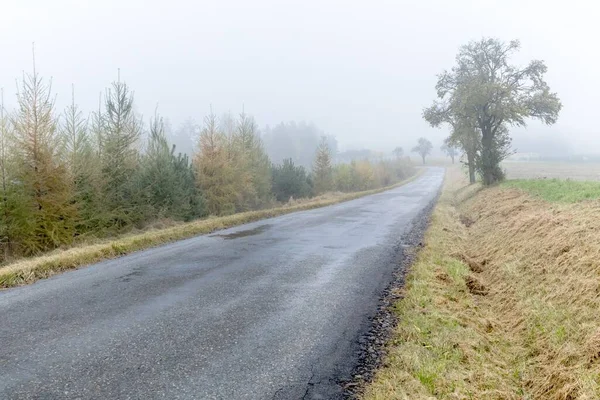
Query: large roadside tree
[467,137]
[486,92]
[423,147]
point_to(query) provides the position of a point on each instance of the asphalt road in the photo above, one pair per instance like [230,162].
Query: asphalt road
[267,310]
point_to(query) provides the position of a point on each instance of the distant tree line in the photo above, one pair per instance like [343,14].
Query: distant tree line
[66,177]
[296,141]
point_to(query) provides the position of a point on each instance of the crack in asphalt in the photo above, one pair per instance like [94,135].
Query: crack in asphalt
[276,394]
[309,384]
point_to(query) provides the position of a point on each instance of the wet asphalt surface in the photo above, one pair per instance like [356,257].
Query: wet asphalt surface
[267,310]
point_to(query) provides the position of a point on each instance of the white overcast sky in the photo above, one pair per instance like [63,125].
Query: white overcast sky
[361,70]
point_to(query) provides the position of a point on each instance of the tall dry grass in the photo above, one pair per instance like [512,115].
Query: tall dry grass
[542,268]
[502,303]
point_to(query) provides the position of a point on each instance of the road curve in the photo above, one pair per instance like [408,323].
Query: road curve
[266,310]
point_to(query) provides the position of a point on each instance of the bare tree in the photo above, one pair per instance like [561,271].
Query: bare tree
[423,147]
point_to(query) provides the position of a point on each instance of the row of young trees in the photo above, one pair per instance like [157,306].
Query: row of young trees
[65,176]
[482,96]
[72,176]
[235,174]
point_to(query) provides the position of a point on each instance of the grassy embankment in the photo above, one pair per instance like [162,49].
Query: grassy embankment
[29,270]
[504,299]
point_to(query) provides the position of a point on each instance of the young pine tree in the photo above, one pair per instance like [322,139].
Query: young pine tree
[15,224]
[121,132]
[290,181]
[322,169]
[214,171]
[192,203]
[40,174]
[237,160]
[169,179]
[253,165]
[5,237]
[97,129]
[83,167]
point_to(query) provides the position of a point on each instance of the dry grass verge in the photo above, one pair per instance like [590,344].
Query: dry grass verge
[504,308]
[29,270]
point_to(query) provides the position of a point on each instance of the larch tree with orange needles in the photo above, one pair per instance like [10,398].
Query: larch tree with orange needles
[214,171]
[41,176]
[322,168]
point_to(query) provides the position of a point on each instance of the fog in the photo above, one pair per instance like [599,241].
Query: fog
[360,71]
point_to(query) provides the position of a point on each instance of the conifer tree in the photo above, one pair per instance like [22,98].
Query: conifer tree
[121,132]
[322,169]
[5,237]
[83,166]
[290,181]
[253,165]
[169,178]
[191,200]
[214,172]
[40,173]
[97,129]
[15,223]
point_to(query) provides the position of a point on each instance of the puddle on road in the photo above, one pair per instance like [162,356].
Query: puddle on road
[128,277]
[248,232]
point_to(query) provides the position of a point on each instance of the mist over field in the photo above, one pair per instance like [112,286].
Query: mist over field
[361,72]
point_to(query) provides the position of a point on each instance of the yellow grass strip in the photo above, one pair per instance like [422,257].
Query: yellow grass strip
[29,270]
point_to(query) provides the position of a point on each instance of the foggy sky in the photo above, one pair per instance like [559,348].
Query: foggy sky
[360,70]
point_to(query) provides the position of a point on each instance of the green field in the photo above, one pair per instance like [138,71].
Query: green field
[558,190]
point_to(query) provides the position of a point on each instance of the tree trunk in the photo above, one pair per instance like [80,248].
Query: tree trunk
[423,159]
[471,165]
[452,157]
[487,162]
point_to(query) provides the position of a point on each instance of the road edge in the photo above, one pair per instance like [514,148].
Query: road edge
[371,344]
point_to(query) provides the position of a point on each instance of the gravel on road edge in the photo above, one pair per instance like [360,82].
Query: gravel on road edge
[370,345]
